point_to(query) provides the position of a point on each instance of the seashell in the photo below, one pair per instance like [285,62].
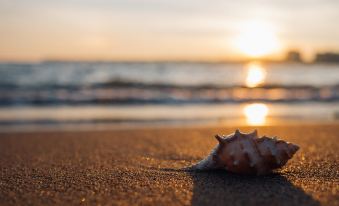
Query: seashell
[247,154]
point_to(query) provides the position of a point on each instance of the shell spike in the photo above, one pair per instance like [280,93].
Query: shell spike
[237,133]
[219,138]
[254,134]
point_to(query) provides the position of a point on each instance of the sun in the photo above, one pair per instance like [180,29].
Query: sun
[256,39]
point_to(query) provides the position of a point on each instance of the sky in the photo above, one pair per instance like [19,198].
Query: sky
[34,30]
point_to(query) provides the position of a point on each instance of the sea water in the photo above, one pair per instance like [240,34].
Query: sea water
[50,93]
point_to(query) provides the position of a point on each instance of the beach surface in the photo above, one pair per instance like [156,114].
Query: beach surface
[142,167]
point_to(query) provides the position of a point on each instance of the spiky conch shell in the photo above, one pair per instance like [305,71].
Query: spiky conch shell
[247,154]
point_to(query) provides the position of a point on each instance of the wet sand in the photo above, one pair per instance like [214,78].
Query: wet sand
[139,167]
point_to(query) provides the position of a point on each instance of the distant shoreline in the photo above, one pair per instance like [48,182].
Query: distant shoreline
[265,61]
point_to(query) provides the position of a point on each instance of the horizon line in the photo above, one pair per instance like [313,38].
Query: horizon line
[281,58]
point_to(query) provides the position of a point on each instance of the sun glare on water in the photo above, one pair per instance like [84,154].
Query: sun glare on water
[256,39]
[256,113]
[256,74]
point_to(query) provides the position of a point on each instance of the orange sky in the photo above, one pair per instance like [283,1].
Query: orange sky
[164,30]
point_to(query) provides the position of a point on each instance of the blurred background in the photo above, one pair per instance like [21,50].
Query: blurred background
[90,64]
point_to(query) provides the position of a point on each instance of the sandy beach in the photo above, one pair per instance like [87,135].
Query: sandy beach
[140,167]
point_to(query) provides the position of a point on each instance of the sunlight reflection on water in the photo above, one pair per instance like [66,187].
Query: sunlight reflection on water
[256,113]
[256,74]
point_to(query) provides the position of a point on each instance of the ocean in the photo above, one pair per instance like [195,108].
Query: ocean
[137,93]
